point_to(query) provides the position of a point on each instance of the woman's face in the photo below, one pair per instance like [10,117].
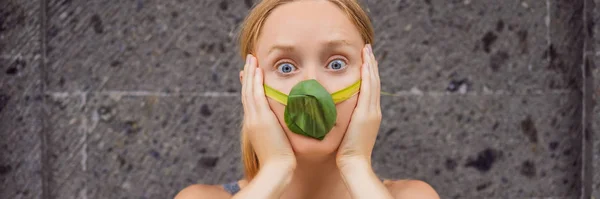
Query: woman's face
[305,40]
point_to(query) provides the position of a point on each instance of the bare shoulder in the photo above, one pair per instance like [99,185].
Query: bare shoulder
[407,189]
[200,191]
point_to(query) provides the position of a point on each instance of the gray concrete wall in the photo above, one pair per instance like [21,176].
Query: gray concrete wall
[138,99]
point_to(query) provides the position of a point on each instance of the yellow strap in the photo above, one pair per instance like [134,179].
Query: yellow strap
[346,93]
[386,93]
[338,96]
[276,95]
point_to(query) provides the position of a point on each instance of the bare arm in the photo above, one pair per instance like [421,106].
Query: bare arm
[200,191]
[362,181]
[408,189]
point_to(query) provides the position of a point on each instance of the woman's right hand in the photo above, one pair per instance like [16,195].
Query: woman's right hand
[267,138]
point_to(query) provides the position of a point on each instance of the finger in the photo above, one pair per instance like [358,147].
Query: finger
[364,96]
[376,70]
[373,78]
[377,81]
[259,91]
[244,74]
[375,64]
[250,86]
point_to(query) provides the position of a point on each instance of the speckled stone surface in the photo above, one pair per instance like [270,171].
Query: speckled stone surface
[596,113]
[20,100]
[596,127]
[138,99]
[144,147]
[494,46]
[166,46]
[482,146]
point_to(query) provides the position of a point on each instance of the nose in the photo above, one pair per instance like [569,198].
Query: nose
[310,71]
[314,70]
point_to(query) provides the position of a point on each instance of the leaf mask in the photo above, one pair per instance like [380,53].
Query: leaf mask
[310,109]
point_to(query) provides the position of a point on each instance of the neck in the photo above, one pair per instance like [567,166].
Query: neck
[316,178]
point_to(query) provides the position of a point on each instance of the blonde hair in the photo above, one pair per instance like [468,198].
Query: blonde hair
[249,35]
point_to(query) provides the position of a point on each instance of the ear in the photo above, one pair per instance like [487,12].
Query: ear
[241,76]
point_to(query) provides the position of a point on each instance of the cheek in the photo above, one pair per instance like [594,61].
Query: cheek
[344,112]
[279,110]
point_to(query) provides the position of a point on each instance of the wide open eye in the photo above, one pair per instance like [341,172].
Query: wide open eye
[286,68]
[337,64]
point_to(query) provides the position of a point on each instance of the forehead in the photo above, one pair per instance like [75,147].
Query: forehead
[308,22]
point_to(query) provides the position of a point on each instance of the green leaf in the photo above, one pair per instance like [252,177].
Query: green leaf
[338,96]
[310,110]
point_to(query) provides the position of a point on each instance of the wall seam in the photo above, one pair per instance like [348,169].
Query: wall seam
[44,147]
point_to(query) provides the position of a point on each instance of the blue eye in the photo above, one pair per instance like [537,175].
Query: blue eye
[286,68]
[337,64]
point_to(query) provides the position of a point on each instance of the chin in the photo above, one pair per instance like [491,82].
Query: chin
[304,146]
[313,149]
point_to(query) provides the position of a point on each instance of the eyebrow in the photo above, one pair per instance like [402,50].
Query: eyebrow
[282,47]
[329,44]
[337,42]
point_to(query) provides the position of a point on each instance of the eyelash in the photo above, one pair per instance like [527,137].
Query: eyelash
[343,59]
[284,62]
[277,64]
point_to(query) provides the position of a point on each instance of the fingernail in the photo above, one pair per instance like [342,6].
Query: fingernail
[370,48]
[248,59]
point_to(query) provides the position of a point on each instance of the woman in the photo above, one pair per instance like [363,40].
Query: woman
[288,44]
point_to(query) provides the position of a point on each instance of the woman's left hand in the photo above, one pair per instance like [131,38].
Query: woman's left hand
[354,154]
[360,137]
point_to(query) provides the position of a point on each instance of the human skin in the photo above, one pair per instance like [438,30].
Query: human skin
[309,35]
[300,41]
